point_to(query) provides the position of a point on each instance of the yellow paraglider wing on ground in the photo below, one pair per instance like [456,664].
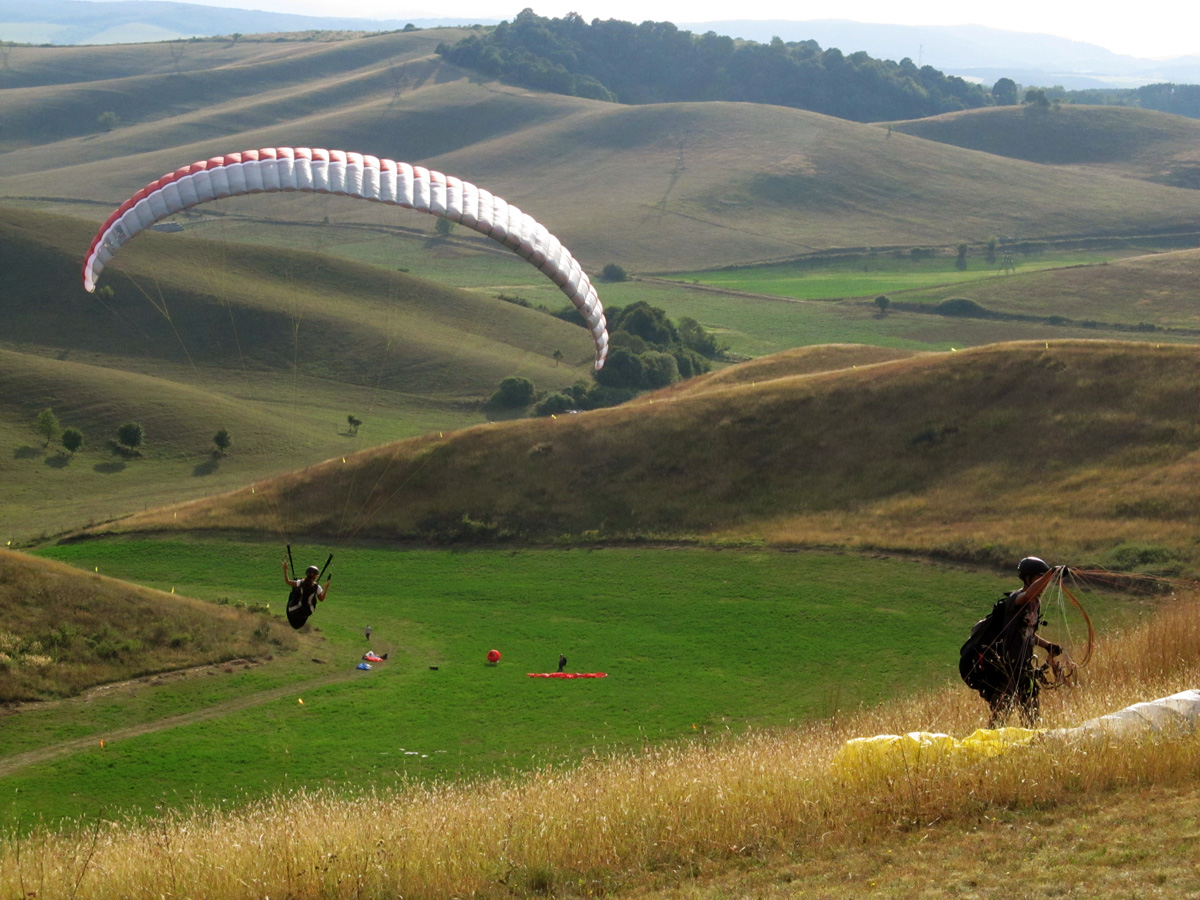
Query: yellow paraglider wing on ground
[887,755]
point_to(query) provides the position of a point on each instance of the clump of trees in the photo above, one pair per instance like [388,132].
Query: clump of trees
[647,351]
[47,425]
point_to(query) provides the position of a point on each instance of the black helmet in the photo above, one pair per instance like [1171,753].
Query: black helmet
[1031,567]
[313,570]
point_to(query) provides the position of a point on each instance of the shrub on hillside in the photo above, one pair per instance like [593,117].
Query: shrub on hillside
[72,440]
[47,425]
[514,392]
[554,404]
[129,438]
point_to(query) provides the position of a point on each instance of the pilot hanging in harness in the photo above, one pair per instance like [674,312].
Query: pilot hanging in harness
[306,593]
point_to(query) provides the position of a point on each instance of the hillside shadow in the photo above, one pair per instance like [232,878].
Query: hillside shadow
[58,461]
[109,468]
[208,467]
[27,452]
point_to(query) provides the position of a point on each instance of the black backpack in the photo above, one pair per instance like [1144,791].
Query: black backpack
[975,663]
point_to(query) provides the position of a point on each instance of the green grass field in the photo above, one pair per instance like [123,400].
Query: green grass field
[694,643]
[870,276]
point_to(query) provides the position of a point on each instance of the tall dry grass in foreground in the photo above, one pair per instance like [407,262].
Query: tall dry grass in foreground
[617,822]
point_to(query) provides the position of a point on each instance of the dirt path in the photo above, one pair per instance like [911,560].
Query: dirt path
[11,764]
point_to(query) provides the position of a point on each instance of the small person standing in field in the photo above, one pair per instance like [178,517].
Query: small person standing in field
[306,594]
[997,659]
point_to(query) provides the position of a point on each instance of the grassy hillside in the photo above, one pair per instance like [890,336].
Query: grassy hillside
[670,187]
[65,631]
[279,347]
[1075,446]
[707,184]
[1137,143]
[1158,289]
[800,361]
[144,83]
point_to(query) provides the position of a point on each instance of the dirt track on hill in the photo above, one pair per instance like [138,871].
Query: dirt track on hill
[18,761]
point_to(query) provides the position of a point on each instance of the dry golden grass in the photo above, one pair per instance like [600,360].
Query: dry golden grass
[651,821]
[797,361]
[1073,447]
[1137,143]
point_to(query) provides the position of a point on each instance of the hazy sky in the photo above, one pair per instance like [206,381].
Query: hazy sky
[1153,29]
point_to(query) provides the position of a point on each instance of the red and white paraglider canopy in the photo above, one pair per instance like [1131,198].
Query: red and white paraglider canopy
[278,169]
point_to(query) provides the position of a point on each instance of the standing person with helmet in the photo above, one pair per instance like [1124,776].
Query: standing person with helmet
[997,659]
[306,593]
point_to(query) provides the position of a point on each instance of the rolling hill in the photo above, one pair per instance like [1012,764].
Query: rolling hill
[276,346]
[1131,142]
[656,188]
[102,630]
[1073,447]
[669,187]
[1158,288]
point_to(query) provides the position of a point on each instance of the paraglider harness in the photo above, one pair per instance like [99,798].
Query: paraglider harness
[302,601]
[979,663]
[987,661]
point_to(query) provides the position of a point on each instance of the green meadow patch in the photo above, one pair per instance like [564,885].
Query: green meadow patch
[882,273]
[693,642]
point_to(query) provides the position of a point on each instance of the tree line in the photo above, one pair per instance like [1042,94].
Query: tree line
[656,62]
[127,442]
[1177,99]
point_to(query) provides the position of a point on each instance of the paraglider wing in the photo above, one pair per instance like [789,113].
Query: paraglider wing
[278,169]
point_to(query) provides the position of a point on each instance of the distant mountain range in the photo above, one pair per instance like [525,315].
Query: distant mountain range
[138,21]
[973,52]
